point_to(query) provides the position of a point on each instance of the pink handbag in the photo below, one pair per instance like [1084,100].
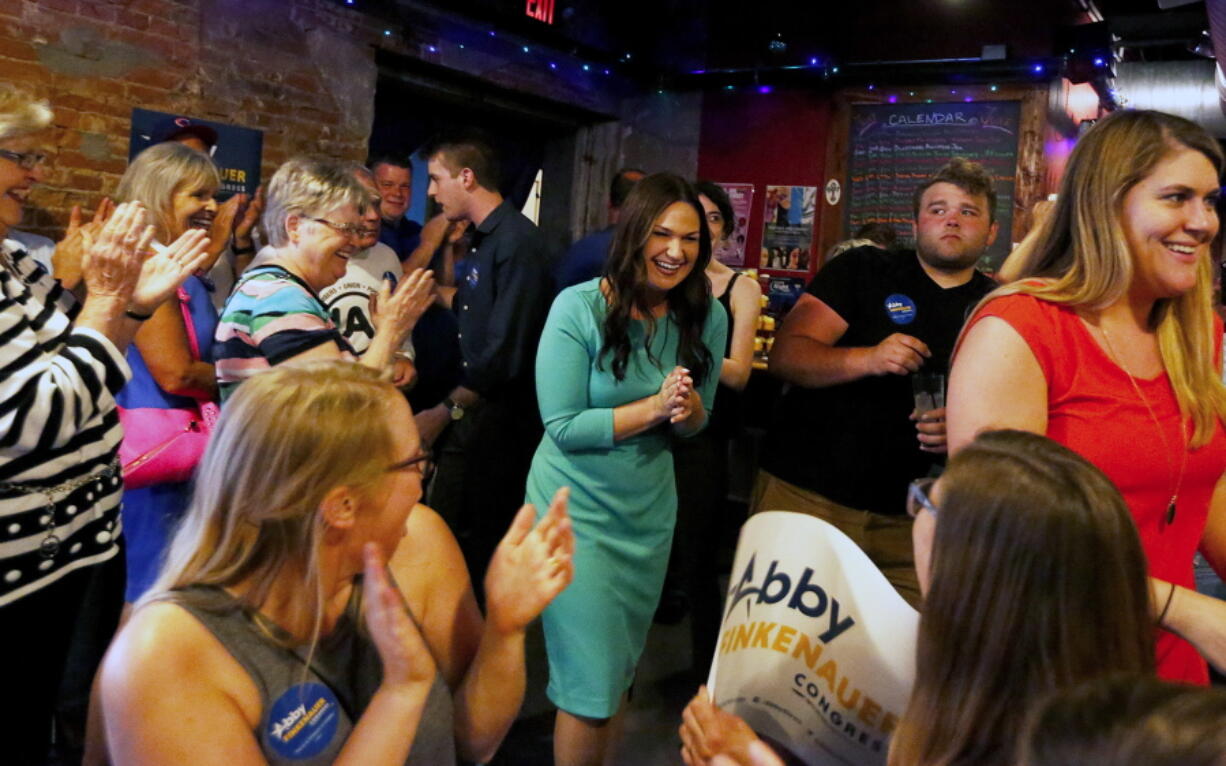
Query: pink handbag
[162,446]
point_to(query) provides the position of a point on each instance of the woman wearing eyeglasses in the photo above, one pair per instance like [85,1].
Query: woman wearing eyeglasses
[1033,579]
[310,611]
[313,217]
[61,367]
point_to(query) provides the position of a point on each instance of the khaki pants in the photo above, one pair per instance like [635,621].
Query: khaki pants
[885,539]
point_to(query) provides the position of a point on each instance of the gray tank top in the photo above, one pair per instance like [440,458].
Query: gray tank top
[310,709]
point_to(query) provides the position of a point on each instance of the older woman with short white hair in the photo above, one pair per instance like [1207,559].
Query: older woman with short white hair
[313,218]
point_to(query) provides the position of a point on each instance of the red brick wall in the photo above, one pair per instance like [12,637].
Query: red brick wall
[300,70]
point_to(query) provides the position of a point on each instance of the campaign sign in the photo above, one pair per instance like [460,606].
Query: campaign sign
[237,152]
[816,650]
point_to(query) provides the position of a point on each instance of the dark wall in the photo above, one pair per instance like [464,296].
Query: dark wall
[765,138]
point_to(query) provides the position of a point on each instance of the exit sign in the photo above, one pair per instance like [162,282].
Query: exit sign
[541,10]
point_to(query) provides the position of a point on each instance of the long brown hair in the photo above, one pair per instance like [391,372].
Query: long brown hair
[1078,255]
[626,275]
[1038,582]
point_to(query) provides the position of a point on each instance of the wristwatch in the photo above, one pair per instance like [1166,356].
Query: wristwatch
[455,409]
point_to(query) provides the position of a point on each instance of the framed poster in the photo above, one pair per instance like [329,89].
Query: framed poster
[732,250]
[787,230]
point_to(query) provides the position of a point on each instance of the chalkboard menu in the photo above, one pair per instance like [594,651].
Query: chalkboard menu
[894,147]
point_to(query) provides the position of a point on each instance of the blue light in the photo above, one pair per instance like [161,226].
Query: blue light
[587,68]
[606,71]
[525,49]
[493,33]
[764,89]
[813,61]
[699,71]
[461,46]
[993,88]
[893,99]
[348,2]
[432,49]
[729,87]
[552,65]
[1098,61]
[968,99]
[872,87]
[1038,69]
[387,33]
[835,70]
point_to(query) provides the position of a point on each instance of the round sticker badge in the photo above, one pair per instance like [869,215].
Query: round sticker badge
[900,309]
[303,721]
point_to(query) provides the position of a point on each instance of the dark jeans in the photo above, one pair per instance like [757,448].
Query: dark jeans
[482,469]
[51,643]
[701,465]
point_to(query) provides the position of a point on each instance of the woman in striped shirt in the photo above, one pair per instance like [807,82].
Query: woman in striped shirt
[61,365]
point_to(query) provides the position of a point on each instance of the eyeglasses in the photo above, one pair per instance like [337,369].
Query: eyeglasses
[344,229]
[27,160]
[423,462]
[918,499]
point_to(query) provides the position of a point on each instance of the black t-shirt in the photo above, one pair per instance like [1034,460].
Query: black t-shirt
[854,443]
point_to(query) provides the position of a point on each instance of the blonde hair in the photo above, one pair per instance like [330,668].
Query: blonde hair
[1077,255]
[286,438]
[157,173]
[310,187]
[20,113]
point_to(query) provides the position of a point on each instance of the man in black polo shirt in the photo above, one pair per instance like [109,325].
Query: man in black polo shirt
[845,442]
[488,428]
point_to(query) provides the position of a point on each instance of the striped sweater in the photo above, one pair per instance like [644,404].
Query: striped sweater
[271,316]
[59,434]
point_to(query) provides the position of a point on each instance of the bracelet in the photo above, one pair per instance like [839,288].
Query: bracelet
[1169,597]
[130,314]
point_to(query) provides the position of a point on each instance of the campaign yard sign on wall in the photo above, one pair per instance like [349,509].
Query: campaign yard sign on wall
[237,152]
[894,147]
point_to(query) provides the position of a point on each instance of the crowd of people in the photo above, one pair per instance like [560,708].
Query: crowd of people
[358,475]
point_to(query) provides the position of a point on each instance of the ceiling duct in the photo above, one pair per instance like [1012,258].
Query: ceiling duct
[1185,88]
[1216,11]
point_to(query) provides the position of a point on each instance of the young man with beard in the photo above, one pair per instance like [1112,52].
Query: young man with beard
[845,442]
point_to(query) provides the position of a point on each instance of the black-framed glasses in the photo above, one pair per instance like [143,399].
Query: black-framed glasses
[27,160]
[918,497]
[356,230]
[423,462]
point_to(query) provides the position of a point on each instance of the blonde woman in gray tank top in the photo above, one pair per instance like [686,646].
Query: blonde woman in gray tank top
[311,611]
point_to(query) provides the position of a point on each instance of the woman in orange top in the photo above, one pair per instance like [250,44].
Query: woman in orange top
[1105,340]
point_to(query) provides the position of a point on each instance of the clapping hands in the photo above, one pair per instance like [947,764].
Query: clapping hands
[532,565]
[407,661]
[676,396]
[397,311]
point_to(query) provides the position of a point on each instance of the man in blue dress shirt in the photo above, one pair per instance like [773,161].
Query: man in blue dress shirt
[585,259]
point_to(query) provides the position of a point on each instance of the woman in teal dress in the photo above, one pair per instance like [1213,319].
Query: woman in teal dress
[626,363]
